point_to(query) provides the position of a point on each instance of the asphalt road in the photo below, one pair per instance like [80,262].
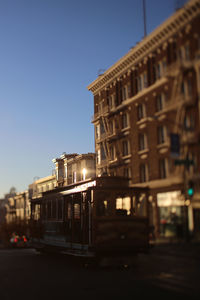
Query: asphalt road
[168,271]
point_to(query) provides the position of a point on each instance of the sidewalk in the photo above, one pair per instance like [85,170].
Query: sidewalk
[175,240]
[176,247]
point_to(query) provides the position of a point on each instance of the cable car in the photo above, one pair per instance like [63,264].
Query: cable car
[100,218]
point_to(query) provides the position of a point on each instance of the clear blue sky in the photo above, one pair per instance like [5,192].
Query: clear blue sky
[50,51]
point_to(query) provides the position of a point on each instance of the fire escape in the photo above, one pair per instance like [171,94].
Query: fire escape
[183,100]
[110,137]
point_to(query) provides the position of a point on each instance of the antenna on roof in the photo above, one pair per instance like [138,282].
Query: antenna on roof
[144,18]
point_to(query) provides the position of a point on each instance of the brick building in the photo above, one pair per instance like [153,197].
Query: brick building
[146,120]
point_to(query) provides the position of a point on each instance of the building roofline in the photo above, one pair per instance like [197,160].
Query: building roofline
[157,37]
[43,179]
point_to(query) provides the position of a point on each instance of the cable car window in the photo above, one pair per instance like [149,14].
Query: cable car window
[54,209]
[123,206]
[69,211]
[49,209]
[44,211]
[102,208]
[60,209]
[36,212]
[77,211]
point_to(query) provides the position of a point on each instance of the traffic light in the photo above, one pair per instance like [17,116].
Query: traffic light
[190,189]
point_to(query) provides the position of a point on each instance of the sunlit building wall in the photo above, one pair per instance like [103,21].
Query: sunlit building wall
[18,208]
[42,185]
[149,94]
[72,168]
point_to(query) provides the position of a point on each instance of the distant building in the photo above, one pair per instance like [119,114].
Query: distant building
[42,185]
[72,168]
[18,208]
[2,211]
[4,205]
[147,120]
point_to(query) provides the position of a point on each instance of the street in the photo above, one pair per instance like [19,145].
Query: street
[167,271]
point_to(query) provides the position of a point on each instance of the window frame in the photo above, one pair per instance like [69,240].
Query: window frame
[141,111]
[143,173]
[163,168]
[142,143]
[161,134]
[125,149]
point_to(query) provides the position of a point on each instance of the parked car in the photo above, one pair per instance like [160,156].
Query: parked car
[18,241]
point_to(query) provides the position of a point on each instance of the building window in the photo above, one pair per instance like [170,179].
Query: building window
[98,157]
[111,126]
[160,102]
[186,88]
[142,141]
[189,87]
[142,82]
[129,90]
[102,151]
[124,93]
[111,101]
[184,52]
[100,107]
[102,129]
[143,173]
[74,177]
[141,111]
[125,148]
[127,172]
[161,134]
[145,80]
[160,69]
[124,120]
[163,168]
[187,51]
[97,131]
[189,122]
[112,152]
[139,83]
[66,170]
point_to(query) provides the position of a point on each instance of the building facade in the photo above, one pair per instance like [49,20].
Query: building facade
[18,210]
[42,185]
[72,168]
[146,120]
[4,205]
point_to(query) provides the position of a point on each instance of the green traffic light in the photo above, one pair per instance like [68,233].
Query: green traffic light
[190,191]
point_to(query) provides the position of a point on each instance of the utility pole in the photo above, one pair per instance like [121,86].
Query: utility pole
[144,18]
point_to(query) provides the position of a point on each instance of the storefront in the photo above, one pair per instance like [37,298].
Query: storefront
[173,214]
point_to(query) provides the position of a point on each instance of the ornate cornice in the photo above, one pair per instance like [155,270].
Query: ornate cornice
[157,38]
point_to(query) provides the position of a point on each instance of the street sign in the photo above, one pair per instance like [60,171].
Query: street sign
[186,162]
